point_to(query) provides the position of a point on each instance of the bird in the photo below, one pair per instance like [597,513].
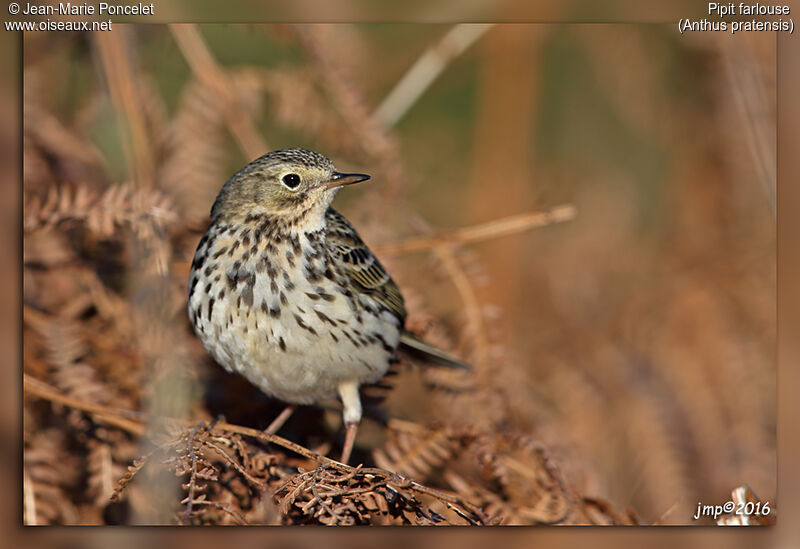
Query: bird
[283,290]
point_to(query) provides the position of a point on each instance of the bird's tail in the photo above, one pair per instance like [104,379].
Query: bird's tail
[416,347]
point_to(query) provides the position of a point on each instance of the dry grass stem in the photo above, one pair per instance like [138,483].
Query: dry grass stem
[478,233]
[472,309]
[123,91]
[102,413]
[749,91]
[426,69]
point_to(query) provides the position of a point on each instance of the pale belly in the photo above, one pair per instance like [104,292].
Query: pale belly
[295,339]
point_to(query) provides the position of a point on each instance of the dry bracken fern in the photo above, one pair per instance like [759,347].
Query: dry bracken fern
[609,380]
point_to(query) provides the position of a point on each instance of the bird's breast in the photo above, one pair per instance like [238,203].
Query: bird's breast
[281,312]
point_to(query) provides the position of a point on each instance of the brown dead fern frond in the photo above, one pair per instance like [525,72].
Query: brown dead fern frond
[209,458]
[49,481]
[417,454]
[511,477]
[120,205]
[129,475]
[210,463]
[65,350]
[331,496]
[600,512]
[146,213]
[529,482]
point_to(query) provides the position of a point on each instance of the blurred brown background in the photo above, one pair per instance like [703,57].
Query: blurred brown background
[635,340]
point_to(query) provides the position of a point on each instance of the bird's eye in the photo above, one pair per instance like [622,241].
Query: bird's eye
[291,180]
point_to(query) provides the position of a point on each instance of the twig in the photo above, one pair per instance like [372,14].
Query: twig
[208,71]
[477,233]
[444,496]
[193,457]
[102,413]
[280,441]
[235,464]
[348,476]
[403,482]
[425,70]
[315,492]
[461,513]
[239,518]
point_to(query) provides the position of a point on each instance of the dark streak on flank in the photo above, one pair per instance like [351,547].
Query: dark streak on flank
[353,341]
[325,318]
[303,325]
[210,307]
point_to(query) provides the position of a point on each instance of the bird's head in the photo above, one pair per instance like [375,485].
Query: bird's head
[287,183]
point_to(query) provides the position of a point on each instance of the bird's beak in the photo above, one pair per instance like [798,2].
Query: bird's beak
[342,179]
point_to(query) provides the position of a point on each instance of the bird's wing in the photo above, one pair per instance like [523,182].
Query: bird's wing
[361,265]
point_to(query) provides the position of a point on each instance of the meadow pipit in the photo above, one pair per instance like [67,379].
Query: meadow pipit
[284,292]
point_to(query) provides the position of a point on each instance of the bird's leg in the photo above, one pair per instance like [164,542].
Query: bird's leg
[349,440]
[278,422]
[351,413]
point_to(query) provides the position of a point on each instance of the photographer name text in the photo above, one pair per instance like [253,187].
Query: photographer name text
[102,8]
